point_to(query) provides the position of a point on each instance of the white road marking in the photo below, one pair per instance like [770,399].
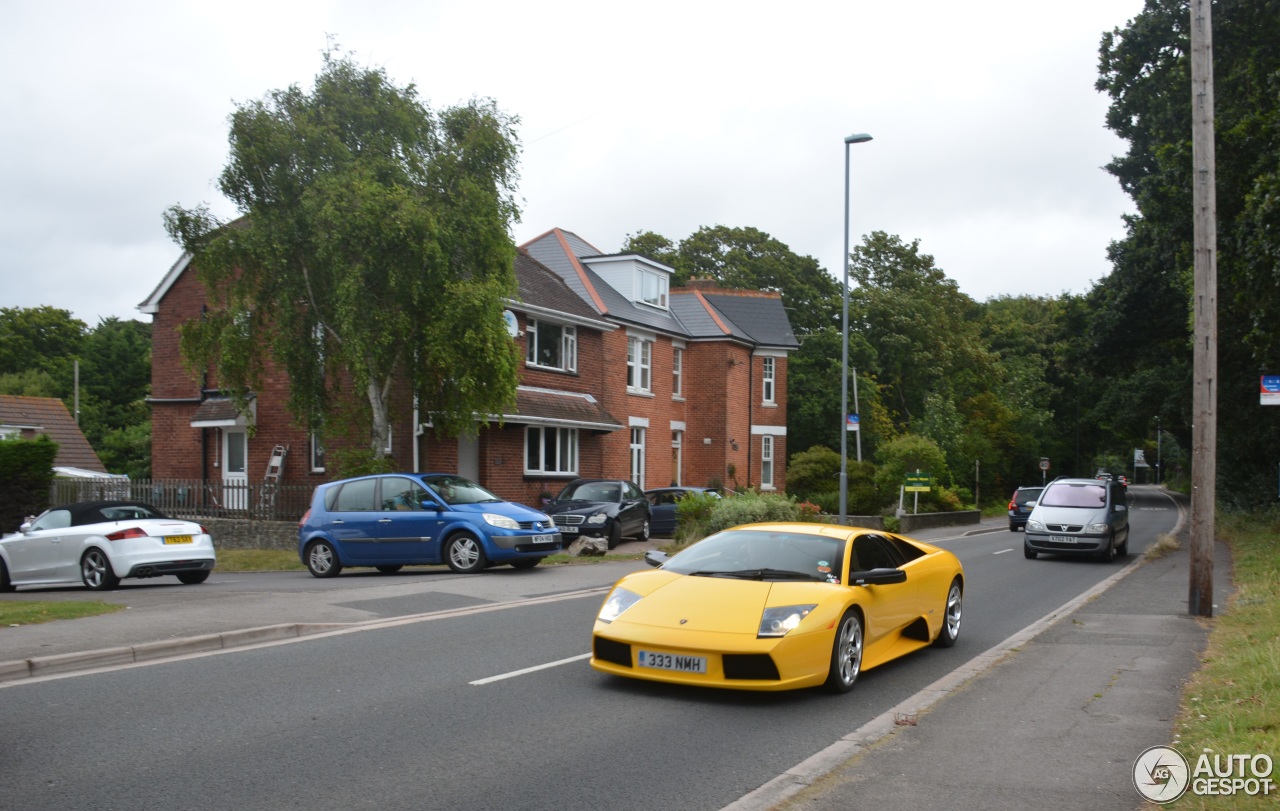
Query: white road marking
[533,669]
[1002,551]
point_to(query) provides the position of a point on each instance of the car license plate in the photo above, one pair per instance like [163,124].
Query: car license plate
[544,539]
[672,661]
[177,539]
[1064,539]
[569,530]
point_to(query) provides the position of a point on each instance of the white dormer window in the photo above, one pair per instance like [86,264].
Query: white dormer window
[652,288]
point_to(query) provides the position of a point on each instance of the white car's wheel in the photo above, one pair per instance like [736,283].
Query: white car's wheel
[96,571]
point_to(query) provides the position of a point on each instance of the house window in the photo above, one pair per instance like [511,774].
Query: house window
[677,456]
[637,456]
[766,462]
[677,373]
[550,450]
[652,287]
[317,454]
[639,364]
[768,380]
[552,346]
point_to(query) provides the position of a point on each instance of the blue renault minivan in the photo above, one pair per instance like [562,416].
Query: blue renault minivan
[393,520]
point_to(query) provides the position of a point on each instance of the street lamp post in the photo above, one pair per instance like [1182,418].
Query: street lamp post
[856,138]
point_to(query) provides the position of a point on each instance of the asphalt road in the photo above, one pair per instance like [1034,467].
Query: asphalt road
[478,703]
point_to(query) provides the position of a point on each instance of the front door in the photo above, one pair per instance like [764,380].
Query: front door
[469,458]
[235,470]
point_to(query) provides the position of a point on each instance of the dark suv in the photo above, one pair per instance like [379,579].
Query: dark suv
[601,508]
[406,519]
[1020,504]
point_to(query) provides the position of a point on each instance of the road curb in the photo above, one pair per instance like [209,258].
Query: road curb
[37,666]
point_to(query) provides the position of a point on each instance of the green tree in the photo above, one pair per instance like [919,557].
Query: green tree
[1142,324]
[43,338]
[375,247]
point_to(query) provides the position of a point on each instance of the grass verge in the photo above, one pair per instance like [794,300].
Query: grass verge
[1229,707]
[14,612]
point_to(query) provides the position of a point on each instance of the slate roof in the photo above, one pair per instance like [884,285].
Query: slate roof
[700,312]
[33,416]
[542,288]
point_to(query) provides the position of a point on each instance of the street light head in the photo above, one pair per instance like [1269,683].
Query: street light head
[857,138]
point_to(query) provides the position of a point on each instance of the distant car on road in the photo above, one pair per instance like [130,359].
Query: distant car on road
[100,543]
[601,508]
[395,520]
[1079,517]
[662,506]
[1020,505]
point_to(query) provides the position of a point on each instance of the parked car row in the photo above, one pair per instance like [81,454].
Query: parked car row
[385,521]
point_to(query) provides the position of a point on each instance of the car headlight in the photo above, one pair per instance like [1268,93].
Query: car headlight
[617,602]
[1035,526]
[598,518]
[1098,529]
[778,621]
[501,521]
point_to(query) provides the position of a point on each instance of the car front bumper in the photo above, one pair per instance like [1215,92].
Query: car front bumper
[1062,544]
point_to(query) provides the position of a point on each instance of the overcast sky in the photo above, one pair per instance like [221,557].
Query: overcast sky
[660,116]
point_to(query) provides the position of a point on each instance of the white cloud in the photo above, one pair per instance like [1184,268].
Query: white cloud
[668,116]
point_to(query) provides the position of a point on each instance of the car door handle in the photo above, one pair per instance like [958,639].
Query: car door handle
[384,520]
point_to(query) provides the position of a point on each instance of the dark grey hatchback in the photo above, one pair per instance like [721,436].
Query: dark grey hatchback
[1021,504]
[407,519]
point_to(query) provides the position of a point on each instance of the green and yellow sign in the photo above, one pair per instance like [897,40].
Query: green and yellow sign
[918,483]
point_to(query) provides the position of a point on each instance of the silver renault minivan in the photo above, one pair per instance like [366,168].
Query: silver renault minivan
[1079,517]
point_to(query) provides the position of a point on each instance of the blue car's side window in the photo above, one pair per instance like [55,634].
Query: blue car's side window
[357,496]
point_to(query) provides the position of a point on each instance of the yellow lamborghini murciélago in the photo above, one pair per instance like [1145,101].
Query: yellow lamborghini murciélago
[778,607]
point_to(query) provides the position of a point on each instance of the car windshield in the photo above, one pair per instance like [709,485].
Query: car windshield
[1074,495]
[457,490]
[760,554]
[592,491]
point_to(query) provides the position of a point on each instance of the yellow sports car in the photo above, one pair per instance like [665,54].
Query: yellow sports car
[778,607]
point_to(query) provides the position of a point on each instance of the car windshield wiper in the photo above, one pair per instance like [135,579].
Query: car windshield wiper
[761,574]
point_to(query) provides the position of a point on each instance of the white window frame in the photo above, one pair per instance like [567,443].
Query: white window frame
[567,445]
[316,454]
[568,345]
[639,365]
[652,288]
[677,456]
[637,455]
[768,380]
[766,462]
[677,372]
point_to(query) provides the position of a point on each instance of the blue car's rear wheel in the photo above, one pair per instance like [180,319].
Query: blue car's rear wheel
[322,559]
[846,654]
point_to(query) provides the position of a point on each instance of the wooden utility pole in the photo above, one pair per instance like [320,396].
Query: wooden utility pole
[1204,401]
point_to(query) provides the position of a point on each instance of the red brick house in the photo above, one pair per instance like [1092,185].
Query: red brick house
[624,376]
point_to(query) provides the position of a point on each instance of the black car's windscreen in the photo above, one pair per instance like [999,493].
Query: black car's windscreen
[609,492]
[736,550]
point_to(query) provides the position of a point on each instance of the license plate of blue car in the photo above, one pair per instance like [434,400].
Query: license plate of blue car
[671,661]
[544,539]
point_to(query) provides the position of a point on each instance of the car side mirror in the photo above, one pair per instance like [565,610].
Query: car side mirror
[655,557]
[1120,508]
[25,528]
[878,577]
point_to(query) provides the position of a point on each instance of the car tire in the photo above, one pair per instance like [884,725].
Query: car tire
[952,610]
[1123,549]
[846,653]
[644,531]
[1028,552]
[96,571]
[388,569]
[192,578]
[323,560]
[615,534]
[525,563]
[6,584]
[1109,554]
[464,554]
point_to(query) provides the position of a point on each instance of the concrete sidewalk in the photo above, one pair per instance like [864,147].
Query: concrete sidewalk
[1053,718]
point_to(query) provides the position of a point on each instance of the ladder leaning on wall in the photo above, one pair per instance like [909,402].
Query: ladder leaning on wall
[271,481]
